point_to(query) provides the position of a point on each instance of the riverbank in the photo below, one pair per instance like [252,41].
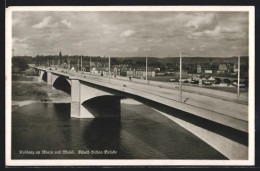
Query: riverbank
[30,91]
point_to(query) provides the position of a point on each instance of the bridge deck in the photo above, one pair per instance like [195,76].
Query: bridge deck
[225,112]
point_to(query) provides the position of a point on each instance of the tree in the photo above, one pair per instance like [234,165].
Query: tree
[20,62]
[114,61]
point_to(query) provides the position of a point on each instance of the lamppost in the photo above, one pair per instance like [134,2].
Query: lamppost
[81,64]
[238,78]
[89,65]
[146,61]
[180,76]
[109,68]
[78,65]
[146,64]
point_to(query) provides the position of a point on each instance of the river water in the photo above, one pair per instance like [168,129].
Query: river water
[46,131]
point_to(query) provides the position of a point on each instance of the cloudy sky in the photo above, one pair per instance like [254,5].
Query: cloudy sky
[157,34]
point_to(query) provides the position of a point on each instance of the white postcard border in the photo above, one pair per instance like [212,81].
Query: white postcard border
[132,162]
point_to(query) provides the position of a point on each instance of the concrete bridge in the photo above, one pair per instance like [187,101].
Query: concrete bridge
[221,123]
[87,100]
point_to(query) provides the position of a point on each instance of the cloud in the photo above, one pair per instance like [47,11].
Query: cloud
[17,40]
[236,36]
[147,49]
[214,33]
[234,47]
[15,21]
[104,25]
[127,33]
[224,33]
[49,22]
[114,49]
[133,49]
[53,35]
[231,29]
[154,40]
[20,43]
[204,21]
[66,23]
[44,23]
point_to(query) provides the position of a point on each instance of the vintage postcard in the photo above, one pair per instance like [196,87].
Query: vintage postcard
[130,86]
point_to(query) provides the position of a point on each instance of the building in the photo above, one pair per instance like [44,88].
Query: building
[235,68]
[208,71]
[140,73]
[92,64]
[198,69]
[222,67]
[94,71]
[220,72]
[184,74]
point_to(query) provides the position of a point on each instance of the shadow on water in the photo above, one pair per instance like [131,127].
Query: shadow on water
[63,121]
[103,134]
[97,134]
[62,111]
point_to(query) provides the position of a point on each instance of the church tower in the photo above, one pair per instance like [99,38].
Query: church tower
[60,58]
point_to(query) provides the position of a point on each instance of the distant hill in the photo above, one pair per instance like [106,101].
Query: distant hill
[151,60]
[187,60]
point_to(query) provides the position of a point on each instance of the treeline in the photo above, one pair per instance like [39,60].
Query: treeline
[140,60]
[185,60]
[55,60]
[21,63]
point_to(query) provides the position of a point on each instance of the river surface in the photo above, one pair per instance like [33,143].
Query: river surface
[46,131]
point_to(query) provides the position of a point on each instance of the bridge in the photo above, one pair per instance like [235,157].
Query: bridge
[213,116]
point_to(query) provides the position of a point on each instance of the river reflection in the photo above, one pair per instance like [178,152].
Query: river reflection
[140,133]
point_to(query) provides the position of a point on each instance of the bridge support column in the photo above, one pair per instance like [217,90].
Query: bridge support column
[49,77]
[75,98]
[76,110]
[40,76]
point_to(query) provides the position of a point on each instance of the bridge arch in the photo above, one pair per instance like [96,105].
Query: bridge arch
[62,83]
[105,106]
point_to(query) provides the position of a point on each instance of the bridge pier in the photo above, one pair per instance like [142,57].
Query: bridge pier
[40,75]
[76,110]
[49,78]
[75,98]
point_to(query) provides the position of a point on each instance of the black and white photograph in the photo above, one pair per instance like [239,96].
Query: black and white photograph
[143,85]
